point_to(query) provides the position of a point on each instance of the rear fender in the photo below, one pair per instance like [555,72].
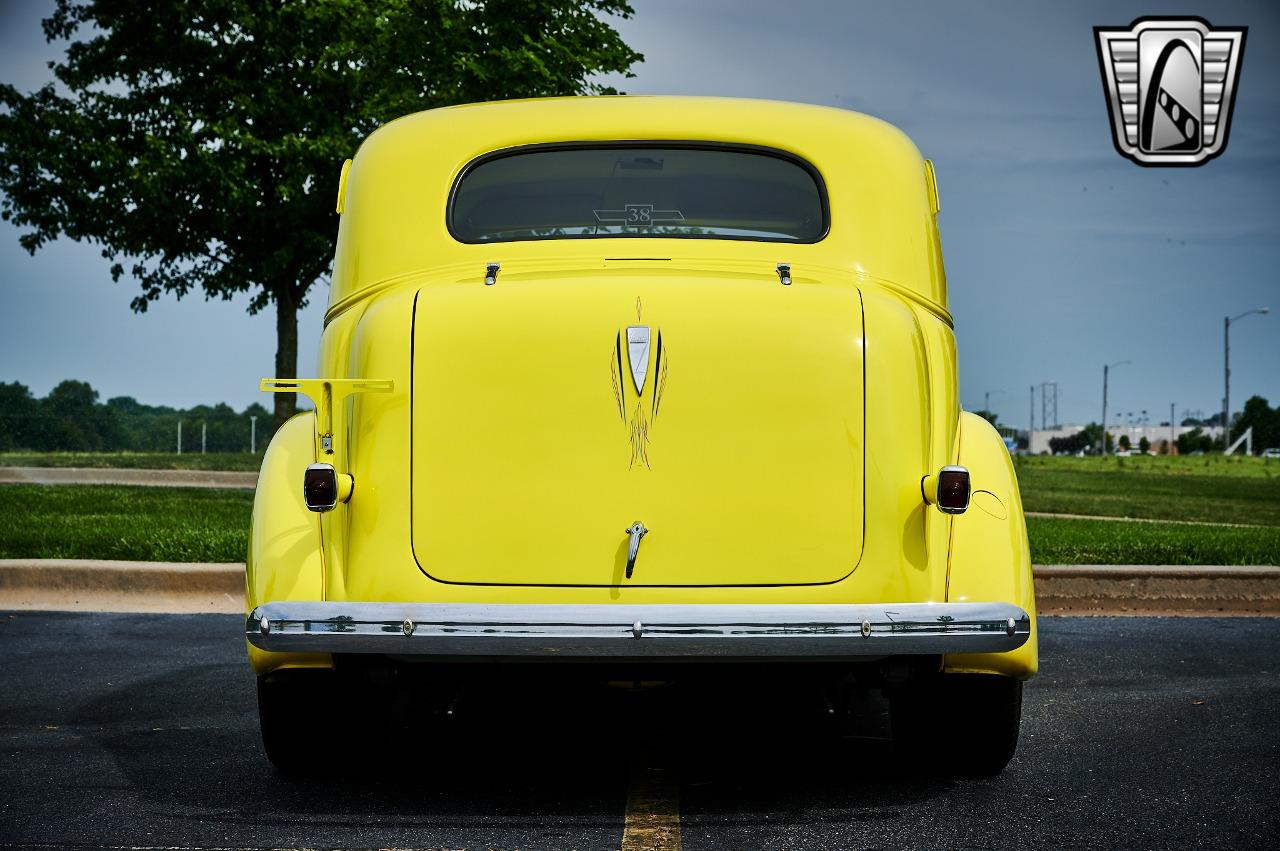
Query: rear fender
[990,558]
[286,556]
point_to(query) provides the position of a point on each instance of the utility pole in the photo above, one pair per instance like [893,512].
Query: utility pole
[1105,370]
[253,434]
[986,399]
[1049,404]
[204,427]
[179,437]
[1031,420]
[1226,370]
[1171,429]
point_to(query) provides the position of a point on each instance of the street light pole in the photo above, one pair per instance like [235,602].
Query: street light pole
[986,399]
[1226,370]
[1106,369]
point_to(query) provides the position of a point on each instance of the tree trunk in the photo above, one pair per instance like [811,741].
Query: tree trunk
[286,404]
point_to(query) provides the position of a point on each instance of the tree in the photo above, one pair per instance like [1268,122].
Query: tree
[74,420]
[1144,445]
[1194,441]
[1081,441]
[70,418]
[19,415]
[199,142]
[1093,437]
[1263,419]
[990,416]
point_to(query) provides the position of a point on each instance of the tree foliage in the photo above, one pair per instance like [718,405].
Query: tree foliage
[990,416]
[1070,444]
[1088,439]
[71,419]
[199,142]
[1194,441]
[1263,419]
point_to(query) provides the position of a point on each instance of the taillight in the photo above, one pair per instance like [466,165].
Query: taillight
[949,490]
[320,487]
[953,490]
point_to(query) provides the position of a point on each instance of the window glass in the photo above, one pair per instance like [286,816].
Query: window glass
[614,191]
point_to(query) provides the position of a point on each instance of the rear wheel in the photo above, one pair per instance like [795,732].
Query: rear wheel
[958,723]
[292,705]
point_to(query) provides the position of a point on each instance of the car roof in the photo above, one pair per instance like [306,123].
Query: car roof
[881,193]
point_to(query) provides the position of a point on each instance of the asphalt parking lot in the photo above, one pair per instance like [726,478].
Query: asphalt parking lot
[140,731]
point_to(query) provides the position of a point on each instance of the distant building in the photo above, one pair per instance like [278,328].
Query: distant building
[1039,442]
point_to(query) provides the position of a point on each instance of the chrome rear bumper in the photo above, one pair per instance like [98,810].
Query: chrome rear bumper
[608,631]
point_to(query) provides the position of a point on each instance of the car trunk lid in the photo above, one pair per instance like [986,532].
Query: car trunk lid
[724,412]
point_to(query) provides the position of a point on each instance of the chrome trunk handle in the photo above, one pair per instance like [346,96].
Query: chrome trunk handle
[637,531]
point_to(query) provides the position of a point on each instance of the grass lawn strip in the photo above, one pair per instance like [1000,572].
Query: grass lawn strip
[229,461]
[1069,487]
[1053,515]
[131,523]
[179,524]
[1233,466]
[1079,541]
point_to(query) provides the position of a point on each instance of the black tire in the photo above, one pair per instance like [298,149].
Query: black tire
[958,723]
[292,708]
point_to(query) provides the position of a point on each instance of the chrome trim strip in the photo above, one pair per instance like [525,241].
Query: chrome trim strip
[638,631]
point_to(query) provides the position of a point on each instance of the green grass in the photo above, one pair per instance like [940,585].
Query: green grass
[134,523]
[1069,541]
[1154,488]
[190,524]
[235,461]
[1235,466]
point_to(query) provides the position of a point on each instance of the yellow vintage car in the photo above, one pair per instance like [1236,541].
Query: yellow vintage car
[632,381]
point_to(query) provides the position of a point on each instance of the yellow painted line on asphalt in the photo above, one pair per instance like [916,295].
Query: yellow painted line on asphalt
[652,820]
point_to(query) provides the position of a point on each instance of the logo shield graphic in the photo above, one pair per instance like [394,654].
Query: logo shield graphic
[1170,86]
[638,354]
[634,347]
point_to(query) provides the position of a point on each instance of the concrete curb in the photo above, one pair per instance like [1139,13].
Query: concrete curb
[1158,589]
[120,586]
[140,586]
[122,476]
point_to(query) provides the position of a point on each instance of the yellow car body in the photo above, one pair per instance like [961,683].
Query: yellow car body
[481,396]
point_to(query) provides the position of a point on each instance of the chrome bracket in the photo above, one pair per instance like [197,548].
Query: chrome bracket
[784,274]
[637,531]
[491,274]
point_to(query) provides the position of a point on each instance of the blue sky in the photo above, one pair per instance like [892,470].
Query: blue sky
[1061,255]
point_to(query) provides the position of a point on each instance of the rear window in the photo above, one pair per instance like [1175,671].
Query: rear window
[639,191]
